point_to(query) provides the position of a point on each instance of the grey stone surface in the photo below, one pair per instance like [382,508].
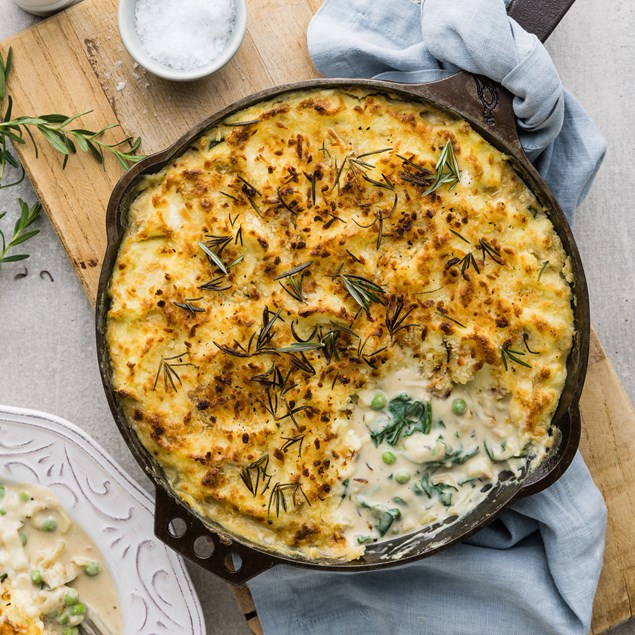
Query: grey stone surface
[47,349]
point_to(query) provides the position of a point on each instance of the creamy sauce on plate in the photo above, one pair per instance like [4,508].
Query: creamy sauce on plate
[421,459]
[51,573]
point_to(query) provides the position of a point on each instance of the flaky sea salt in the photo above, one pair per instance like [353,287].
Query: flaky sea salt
[184,34]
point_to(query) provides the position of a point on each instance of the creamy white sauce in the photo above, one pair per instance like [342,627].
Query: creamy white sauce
[410,477]
[45,561]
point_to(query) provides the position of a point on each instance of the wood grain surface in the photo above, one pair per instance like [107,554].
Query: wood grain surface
[75,61]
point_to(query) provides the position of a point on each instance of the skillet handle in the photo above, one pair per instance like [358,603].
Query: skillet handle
[181,530]
[540,17]
[482,101]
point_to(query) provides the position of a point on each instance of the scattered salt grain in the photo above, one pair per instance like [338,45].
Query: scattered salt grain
[184,35]
[120,86]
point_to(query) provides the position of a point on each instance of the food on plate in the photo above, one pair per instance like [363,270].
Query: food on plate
[339,317]
[50,570]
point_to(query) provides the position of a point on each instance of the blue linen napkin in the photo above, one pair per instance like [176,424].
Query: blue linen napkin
[536,568]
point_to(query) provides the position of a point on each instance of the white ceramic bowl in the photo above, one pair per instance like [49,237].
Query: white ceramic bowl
[132,42]
[155,591]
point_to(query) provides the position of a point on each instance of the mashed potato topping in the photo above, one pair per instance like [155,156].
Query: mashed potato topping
[282,273]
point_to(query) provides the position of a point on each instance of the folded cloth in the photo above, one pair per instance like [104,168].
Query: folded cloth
[535,569]
[397,40]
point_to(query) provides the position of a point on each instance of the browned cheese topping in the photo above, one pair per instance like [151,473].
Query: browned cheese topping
[296,254]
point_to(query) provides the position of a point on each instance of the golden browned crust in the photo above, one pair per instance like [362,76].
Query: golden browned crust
[211,367]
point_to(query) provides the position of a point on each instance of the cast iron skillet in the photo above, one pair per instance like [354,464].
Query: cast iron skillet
[487,106]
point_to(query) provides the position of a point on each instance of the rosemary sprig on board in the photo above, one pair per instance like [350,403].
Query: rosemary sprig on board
[56,131]
[167,366]
[255,474]
[28,215]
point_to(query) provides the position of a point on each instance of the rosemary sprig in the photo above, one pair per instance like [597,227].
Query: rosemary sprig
[291,441]
[55,130]
[467,261]
[28,215]
[526,343]
[215,284]
[278,496]
[167,366]
[295,286]
[447,170]
[362,290]
[491,251]
[449,317]
[395,319]
[215,258]
[188,306]
[417,174]
[508,355]
[255,474]
[250,192]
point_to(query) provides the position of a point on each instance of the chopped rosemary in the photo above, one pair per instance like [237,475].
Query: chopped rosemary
[295,285]
[395,319]
[491,251]
[255,474]
[278,500]
[216,284]
[508,355]
[169,374]
[188,306]
[291,441]
[445,315]
[447,170]
[362,290]
[526,343]
[213,257]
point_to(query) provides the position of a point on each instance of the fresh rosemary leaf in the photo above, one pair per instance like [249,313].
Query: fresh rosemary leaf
[508,355]
[362,290]
[28,215]
[213,257]
[447,170]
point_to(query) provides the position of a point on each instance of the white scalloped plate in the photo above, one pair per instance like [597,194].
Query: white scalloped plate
[155,591]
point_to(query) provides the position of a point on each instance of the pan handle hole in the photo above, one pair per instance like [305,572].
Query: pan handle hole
[233,562]
[204,547]
[177,528]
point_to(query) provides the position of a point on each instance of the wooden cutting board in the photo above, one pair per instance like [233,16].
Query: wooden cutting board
[74,62]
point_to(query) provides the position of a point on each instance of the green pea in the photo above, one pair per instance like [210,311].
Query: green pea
[388,457]
[64,618]
[379,401]
[52,615]
[71,597]
[3,512]
[23,538]
[459,407]
[73,630]
[49,524]
[92,569]
[402,477]
[36,576]
[78,609]
[24,497]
